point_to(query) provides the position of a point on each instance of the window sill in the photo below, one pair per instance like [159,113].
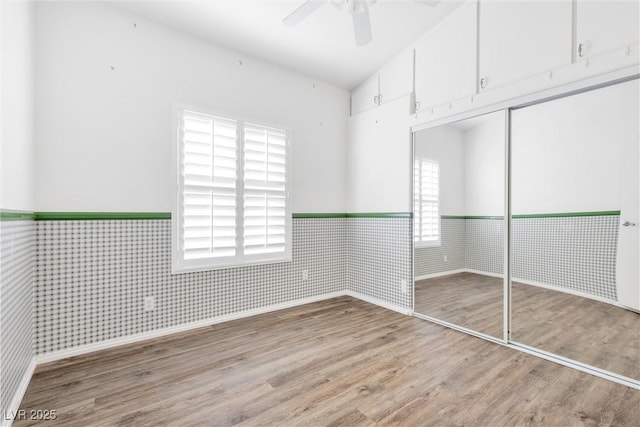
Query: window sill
[427,245]
[181,269]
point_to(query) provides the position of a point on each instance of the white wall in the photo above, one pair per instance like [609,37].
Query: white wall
[567,154]
[445,144]
[105,90]
[379,156]
[17,108]
[484,158]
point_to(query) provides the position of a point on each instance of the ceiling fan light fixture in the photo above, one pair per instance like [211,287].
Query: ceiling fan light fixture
[353,6]
[358,9]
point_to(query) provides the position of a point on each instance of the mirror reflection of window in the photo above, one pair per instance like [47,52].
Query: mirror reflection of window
[458,223]
[426,202]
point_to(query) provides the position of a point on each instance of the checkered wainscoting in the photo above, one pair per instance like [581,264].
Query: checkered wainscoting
[574,253]
[17,240]
[484,249]
[92,277]
[380,258]
[429,260]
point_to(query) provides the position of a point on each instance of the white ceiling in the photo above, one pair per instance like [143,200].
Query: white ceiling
[322,46]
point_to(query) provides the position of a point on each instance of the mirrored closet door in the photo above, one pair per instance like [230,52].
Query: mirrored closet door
[459,200]
[575,204]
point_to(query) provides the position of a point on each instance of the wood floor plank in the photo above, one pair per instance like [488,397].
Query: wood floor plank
[589,331]
[340,362]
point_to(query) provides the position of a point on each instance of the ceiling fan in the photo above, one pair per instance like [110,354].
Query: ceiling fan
[358,9]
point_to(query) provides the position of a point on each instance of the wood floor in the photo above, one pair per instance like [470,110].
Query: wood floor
[582,329]
[465,299]
[336,362]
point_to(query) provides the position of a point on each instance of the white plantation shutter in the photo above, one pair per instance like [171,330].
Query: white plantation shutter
[265,190]
[426,199]
[233,204]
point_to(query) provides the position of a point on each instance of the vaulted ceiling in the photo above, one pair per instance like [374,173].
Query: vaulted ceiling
[322,46]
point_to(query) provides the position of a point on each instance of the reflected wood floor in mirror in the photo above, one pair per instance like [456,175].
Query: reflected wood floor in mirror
[336,362]
[465,299]
[582,329]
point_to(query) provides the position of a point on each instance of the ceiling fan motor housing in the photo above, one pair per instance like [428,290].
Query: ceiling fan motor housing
[353,6]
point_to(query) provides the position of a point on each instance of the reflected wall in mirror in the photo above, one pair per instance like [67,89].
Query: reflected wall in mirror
[458,222]
[575,183]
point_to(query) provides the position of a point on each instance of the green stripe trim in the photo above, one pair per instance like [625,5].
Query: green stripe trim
[470,217]
[89,216]
[318,215]
[543,215]
[380,215]
[9,215]
[568,214]
[353,215]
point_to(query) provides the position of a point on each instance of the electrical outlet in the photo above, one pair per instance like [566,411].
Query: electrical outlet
[403,286]
[305,274]
[149,303]
[446,258]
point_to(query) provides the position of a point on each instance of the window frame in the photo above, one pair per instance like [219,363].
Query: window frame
[417,218]
[181,265]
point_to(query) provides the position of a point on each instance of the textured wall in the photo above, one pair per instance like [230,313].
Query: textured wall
[484,245]
[380,257]
[573,253]
[17,240]
[430,260]
[92,277]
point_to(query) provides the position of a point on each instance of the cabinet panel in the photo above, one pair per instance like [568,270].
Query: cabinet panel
[396,79]
[446,59]
[519,39]
[365,96]
[605,25]
[379,153]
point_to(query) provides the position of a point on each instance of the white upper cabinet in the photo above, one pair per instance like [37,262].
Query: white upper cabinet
[396,78]
[446,59]
[605,25]
[365,96]
[394,81]
[519,39]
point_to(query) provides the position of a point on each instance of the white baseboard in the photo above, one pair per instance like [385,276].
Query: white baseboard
[116,342]
[483,273]
[568,291]
[440,274]
[12,410]
[130,339]
[379,302]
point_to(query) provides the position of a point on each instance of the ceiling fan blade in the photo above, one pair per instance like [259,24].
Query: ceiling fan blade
[429,2]
[362,25]
[306,9]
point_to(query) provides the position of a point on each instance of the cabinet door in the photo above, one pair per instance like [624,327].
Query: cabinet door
[446,59]
[396,79]
[519,39]
[365,96]
[605,25]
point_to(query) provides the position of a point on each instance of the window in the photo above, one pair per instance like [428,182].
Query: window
[426,202]
[233,205]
